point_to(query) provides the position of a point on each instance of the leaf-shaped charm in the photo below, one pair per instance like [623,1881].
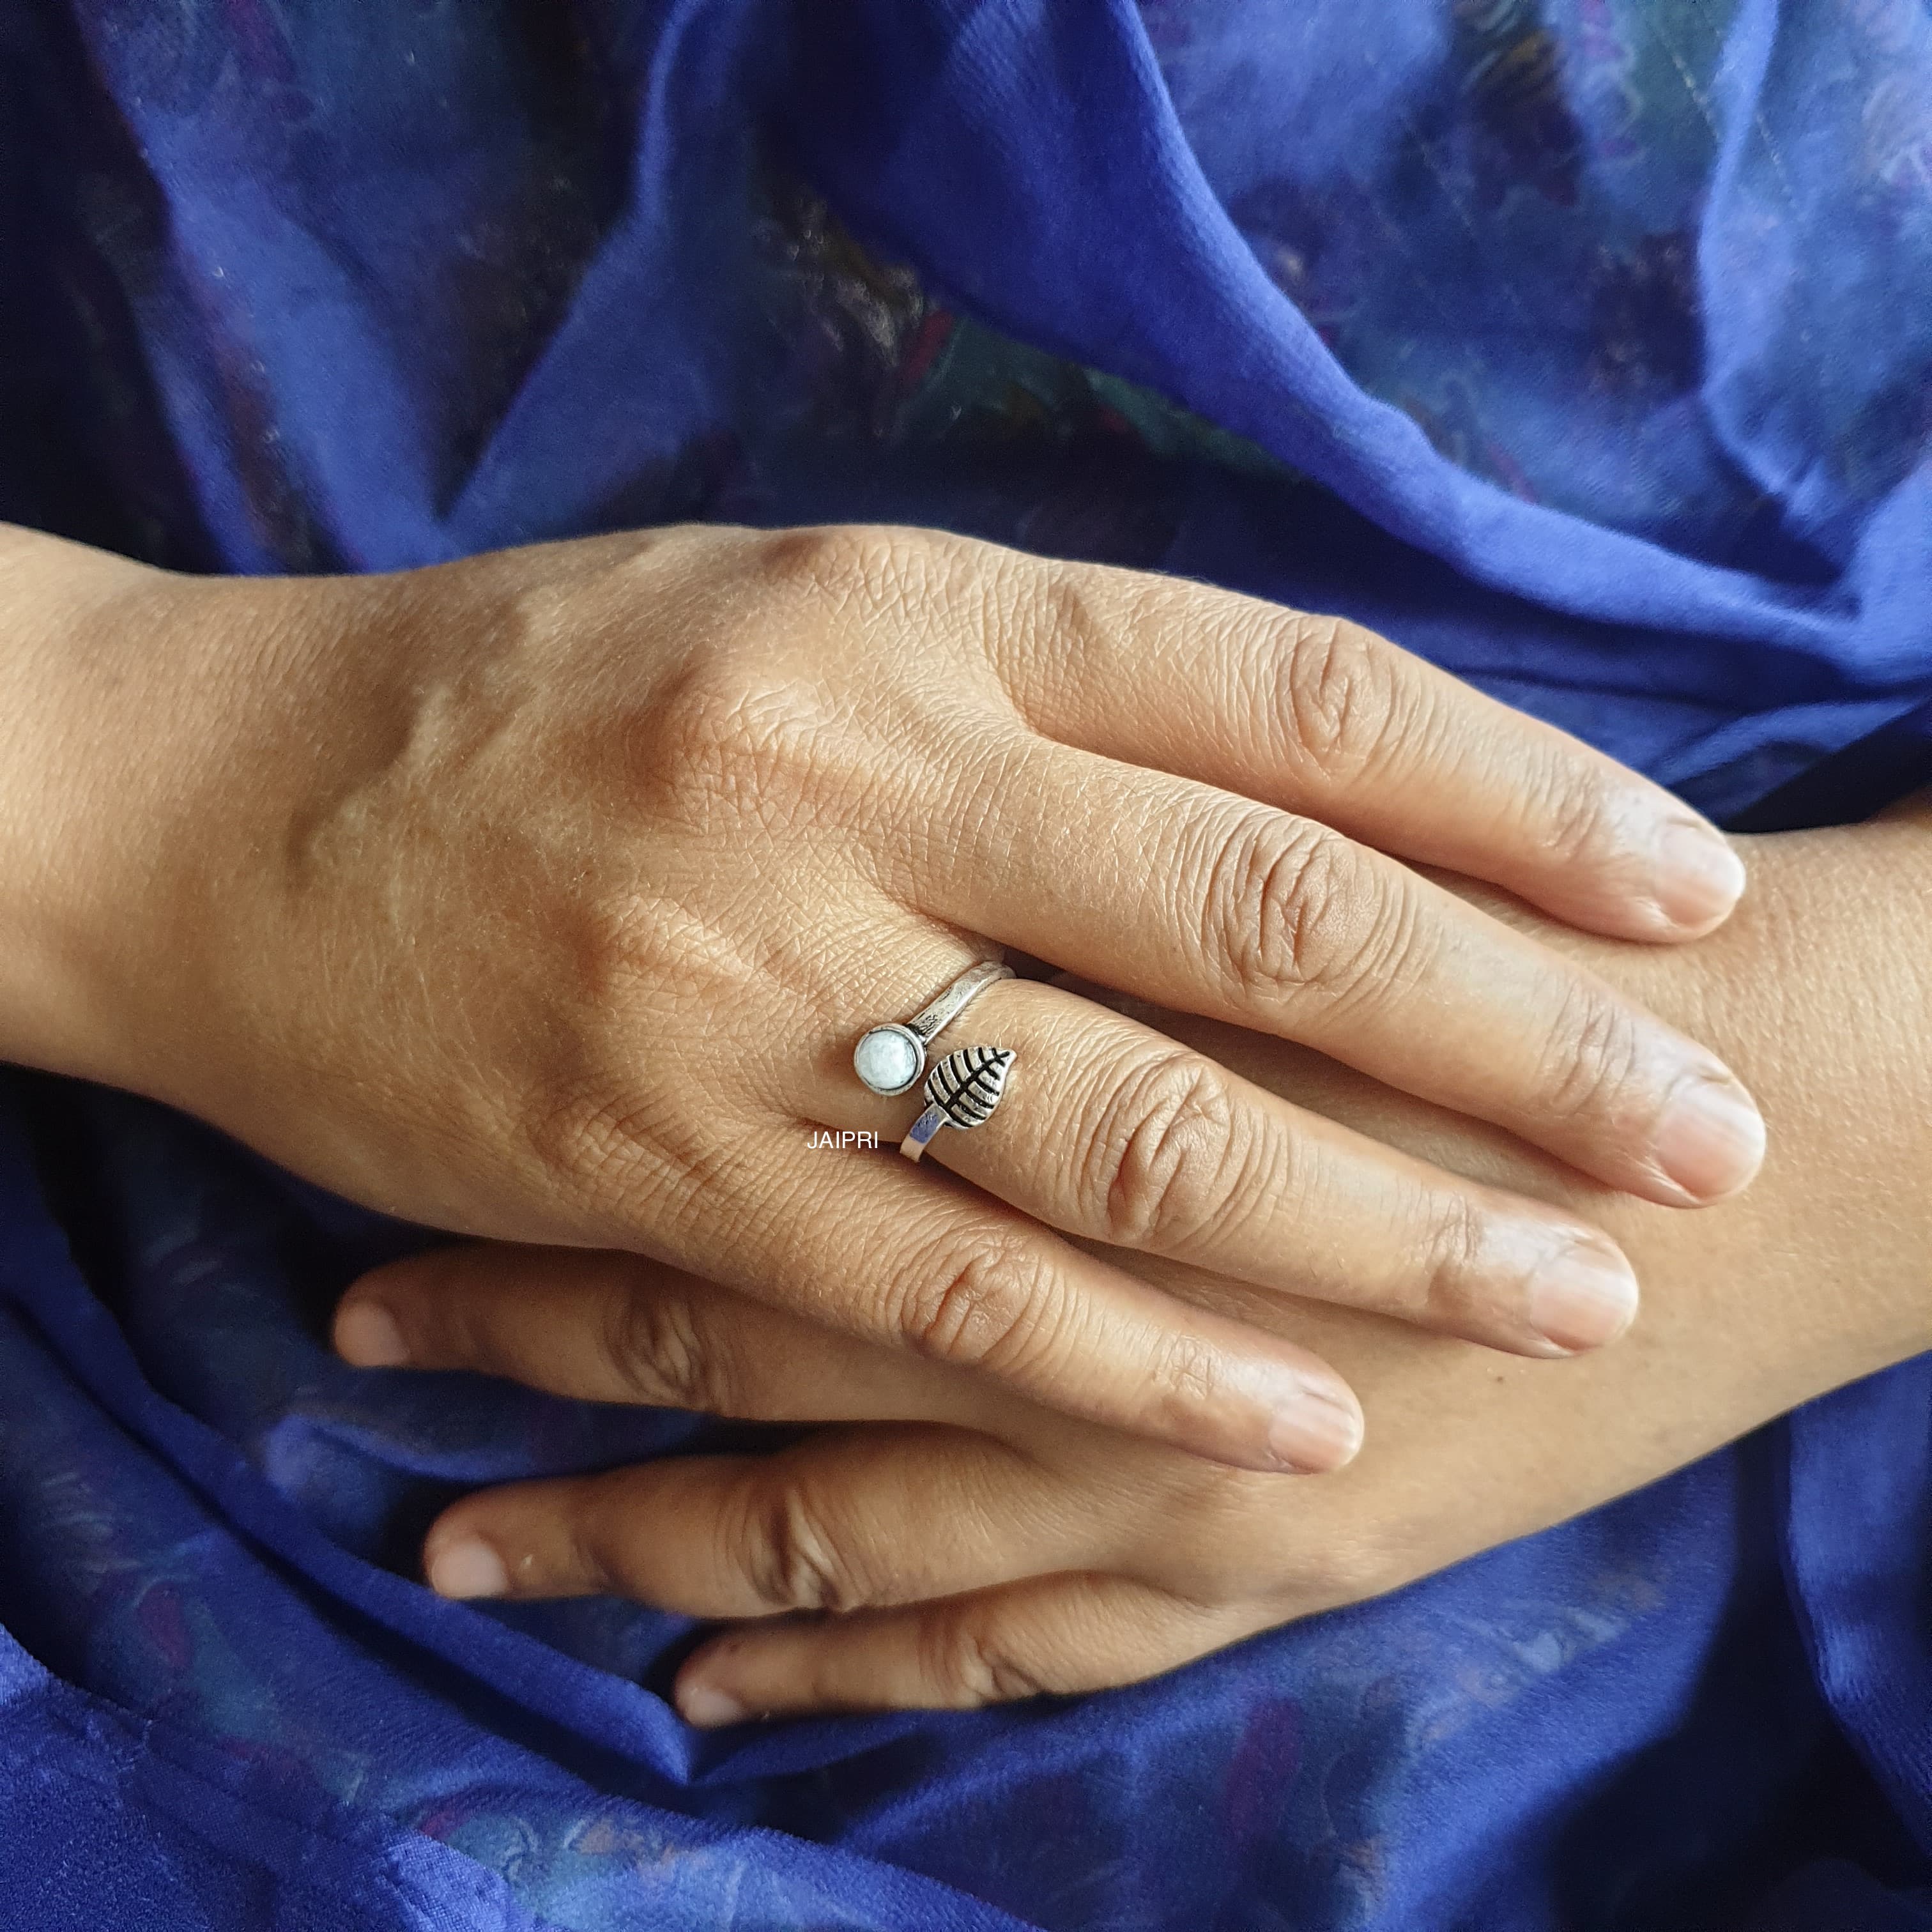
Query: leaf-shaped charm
[966,1086]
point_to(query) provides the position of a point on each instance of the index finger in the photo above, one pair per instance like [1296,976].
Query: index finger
[1319,716]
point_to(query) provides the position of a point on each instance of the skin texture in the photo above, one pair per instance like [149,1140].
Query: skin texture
[542,897]
[959,1547]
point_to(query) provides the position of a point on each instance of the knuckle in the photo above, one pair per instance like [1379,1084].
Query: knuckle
[1450,1278]
[1060,610]
[1241,1551]
[1594,1056]
[792,1560]
[1289,909]
[997,1304]
[584,1136]
[1233,1540]
[1572,820]
[1159,1155]
[730,739]
[1336,694]
[1191,1371]
[750,729]
[661,1354]
[855,569]
[630,1158]
[969,1664]
[592,1560]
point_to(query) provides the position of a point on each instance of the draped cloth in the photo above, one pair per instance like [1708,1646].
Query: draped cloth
[1583,346]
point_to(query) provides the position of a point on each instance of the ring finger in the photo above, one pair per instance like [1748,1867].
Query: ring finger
[1111,1131]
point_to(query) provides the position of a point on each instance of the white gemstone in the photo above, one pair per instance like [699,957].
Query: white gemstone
[887,1060]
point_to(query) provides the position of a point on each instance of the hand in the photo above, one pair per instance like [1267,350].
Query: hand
[1065,1559]
[543,896]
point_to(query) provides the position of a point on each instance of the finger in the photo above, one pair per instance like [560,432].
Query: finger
[884,1514]
[1202,900]
[599,1326]
[1051,1635]
[914,1258]
[1113,1131]
[913,1261]
[1321,716]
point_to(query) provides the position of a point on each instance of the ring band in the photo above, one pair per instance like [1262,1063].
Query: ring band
[889,1059]
[961,1091]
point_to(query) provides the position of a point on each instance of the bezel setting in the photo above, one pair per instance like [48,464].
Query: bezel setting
[878,1044]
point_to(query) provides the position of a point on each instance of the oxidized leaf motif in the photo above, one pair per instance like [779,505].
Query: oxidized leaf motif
[966,1086]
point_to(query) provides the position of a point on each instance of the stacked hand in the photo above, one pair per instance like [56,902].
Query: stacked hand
[541,897]
[978,1547]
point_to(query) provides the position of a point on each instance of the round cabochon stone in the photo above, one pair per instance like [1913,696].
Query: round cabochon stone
[887,1060]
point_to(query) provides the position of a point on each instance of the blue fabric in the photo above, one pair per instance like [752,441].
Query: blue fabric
[1584,347]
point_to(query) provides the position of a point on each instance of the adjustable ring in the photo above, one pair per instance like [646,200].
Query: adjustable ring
[889,1059]
[961,1091]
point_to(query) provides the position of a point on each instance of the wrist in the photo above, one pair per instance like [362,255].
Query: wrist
[129,805]
[1818,992]
[65,804]
[1840,1039]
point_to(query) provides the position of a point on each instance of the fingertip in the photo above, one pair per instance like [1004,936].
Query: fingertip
[1584,1297]
[1318,1430]
[1699,877]
[1661,878]
[709,1706]
[462,1565]
[367,1336]
[1710,1139]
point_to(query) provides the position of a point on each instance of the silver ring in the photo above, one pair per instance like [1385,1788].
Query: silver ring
[961,1091]
[888,1059]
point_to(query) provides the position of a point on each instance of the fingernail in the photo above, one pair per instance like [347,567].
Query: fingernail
[1583,1297]
[1316,1430]
[1699,877]
[467,1567]
[706,1705]
[1710,1137]
[367,1337]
